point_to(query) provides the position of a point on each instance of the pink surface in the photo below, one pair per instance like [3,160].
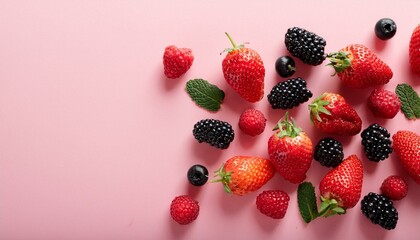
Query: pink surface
[95,142]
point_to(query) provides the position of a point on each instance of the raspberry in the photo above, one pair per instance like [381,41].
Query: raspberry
[184,209]
[379,210]
[217,133]
[384,103]
[329,152]
[394,187]
[176,61]
[252,122]
[273,203]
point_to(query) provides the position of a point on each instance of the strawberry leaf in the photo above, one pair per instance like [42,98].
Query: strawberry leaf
[410,101]
[205,94]
[307,202]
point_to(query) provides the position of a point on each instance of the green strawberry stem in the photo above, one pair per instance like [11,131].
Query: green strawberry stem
[329,207]
[224,178]
[317,107]
[287,128]
[340,61]
[234,46]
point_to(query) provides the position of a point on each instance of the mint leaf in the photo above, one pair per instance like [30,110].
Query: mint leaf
[410,101]
[307,201]
[205,94]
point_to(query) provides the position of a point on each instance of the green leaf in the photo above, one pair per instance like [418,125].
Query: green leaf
[307,201]
[410,101]
[205,94]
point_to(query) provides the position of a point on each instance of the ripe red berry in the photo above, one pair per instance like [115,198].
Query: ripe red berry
[252,122]
[176,61]
[184,209]
[394,187]
[384,103]
[273,203]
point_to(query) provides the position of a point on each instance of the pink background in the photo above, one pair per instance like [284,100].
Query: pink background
[95,142]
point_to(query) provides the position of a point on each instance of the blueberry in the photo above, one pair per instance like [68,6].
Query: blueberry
[385,28]
[197,175]
[285,66]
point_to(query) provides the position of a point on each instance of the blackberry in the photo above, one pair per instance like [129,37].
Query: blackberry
[376,142]
[305,45]
[288,94]
[380,210]
[329,152]
[217,133]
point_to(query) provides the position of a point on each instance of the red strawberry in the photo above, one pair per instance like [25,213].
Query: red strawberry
[341,187]
[414,51]
[384,103]
[290,150]
[406,145]
[359,67]
[184,209]
[273,203]
[244,71]
[243,174]
[332,114]
[252,122]
[176,61]
[394,187]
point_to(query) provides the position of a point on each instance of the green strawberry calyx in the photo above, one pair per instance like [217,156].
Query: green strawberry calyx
[330,207]
[286,127]
[234,46]
[223,177]
[317,107]
[340,61]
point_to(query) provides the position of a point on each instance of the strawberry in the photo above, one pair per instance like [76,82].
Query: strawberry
[290,150]
[243,174]
[332,114]
[341,187]
[414,51]
[384,103]
[244,71]
[176,61]
[184,209]
[273,203]
[358,67]
[394,187]
[406,145]
[252,122]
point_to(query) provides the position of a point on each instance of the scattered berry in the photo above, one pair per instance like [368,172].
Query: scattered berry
[376,142]
[384,103]
[359,67]
[198,175]
[305,45]
[288,94]
[241,175]
[217,133]
[176,61]
[285,66]
[414,51]
[243,69]
[332,114]
[385,28]
[184,209]
[394,187]
[273,203]
[380,210]
[252,122]
[329,152]
[406,145]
